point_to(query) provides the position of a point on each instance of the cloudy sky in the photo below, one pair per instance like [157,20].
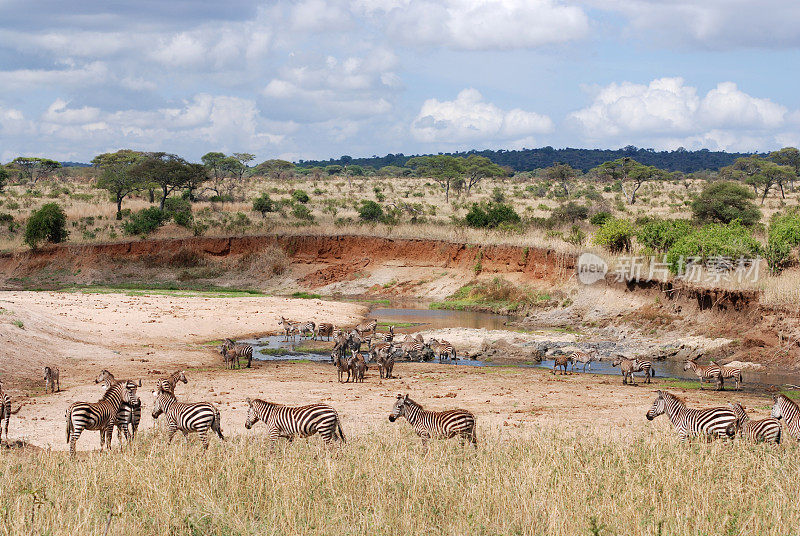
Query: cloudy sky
[323,78]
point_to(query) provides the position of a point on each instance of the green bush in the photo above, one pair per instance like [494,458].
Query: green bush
[491,215]
[659,235]
[3,177]
[145,221]
[302,212]
[263,204]
[570,213]
[782,237]
[179,210]
[370,211]
[715,240]
[600,218]
[49,223]
[615,234]
[300,196]
[725,202]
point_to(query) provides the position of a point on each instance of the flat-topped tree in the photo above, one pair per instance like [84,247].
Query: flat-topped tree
[562,174]
[760,174]
[477,168]
[788,156]
[117,174]
[34,168]
[168,171]
[441,168]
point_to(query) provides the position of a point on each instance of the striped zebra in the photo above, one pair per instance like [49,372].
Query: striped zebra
[324,329]
[101,415]
[194,417]
[169,383]
[239,350]
[767,430]
[369,326]
[357,366]
[707,372]
[127,415]
[411,348]
[435,424]
[627,367]
[560,361]
[786,409]
[289,328]
[384,356]
[442,349]
[582,357]
[295,421]
[383,337]
[643,365]
[708,423]
[51,379]
[338,358]
[729,371]
[5,412]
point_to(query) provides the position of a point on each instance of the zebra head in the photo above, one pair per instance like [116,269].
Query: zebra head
[182,377]
[399,407]
[159,398]
[105,376]
[252,415]
[46,372]
[777,411]
[129,395]
[616,362]
[659,407]
[688,364]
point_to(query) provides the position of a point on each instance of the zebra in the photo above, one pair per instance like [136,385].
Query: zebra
[767,430]
[305,328]
[194,417]
[101,415]
[442,349]
[627,367]
[357,366]
[295,421]
[643,365]
[241,350]
[786,409]
[582,357]
[337,356]
[324,329]
[384,337]
[51,380]
[289,328]
[354,341]
[127,414]
[435,424]
[5,412]
[729,371]
[561,361]
[169,383]
[410,348]
[706,373]
[366,327]
[384,356]
[710,423]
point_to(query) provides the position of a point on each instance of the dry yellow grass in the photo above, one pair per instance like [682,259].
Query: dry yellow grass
[385,483]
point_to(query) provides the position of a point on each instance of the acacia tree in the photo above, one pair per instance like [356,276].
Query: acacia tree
[761,174]
[168,171]
[638,175]
[477,168]
[561,173]
[788,156]
[34,168]
[441,168]
[772,174]
[118,176]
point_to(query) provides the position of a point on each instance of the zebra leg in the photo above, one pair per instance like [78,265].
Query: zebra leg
[204,437]
[171,433]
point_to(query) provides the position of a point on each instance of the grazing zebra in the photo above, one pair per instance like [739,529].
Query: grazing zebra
[5,412]
[709,423]
[729,371]
[324,329]
[706,373]
[127,414]
[442,349]
[767,430]
[411,348]
[643,365]
[295,421]
[289,328]
[241,350]
[582,357]
[786,409]
[357,366]
[561,361]
[366,327]
[168,384]
[435,424]
[197,417]
[627,367]
[51,380]
[101,415]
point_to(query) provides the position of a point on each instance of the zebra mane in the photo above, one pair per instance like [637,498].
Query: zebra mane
[114,385]
[667,394]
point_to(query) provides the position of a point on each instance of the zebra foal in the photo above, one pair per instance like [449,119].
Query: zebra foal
[169,383]
[295,421]
[239,350]
[101,415]
[767,430]
[708,423]
[197,417]
[786,409]
[435,424]
[51,380]
[730,372]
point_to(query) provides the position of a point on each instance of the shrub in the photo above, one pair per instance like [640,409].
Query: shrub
[498,195]
[145,221]
[491,215]
[48,223]
[179,210]
[782,237]
[370,211]
[263,204]
[570,213]
[615,234]
[302,212]
[725,202]
[3,177]
[600,218]
[300,196]
[715,240]
[660,235]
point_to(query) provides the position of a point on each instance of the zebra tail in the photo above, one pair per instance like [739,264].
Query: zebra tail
[778,437]
[731,430]
[217,424]
[14,412]
[69,426]
[340,431]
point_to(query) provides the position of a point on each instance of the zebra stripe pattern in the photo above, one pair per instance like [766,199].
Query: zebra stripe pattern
[707,372]
[238,350]
[729,372]
[582,357]
[767,430]
[560,362]
[127,415]
[295,421]
[435,424]
[442,349]
[51,379]
[709,423]
[5,413]
[168,384]
[101,415]
[642,365]
[367,327]
[413,347]
[324,329]
[198,417]
[786,409]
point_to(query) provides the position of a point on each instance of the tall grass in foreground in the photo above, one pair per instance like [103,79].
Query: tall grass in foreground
[385,483]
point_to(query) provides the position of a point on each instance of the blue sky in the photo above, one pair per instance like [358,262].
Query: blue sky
[322,78]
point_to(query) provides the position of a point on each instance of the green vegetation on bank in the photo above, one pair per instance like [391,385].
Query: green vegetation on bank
[495,296]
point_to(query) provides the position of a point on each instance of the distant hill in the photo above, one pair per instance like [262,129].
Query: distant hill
[74,164]
[584,159]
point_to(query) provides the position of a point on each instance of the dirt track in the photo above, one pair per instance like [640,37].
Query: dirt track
[147,336]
